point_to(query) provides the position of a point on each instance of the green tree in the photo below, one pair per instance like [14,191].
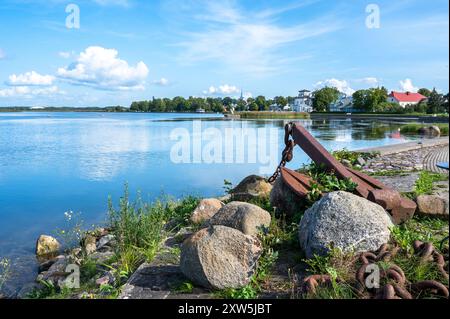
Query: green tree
[262,103]
[281,101]
[377,97]
[324,97]
[360,99]
[241,105]
[435,102]
[425,92]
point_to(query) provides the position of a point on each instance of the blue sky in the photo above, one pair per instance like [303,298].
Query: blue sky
[129,50]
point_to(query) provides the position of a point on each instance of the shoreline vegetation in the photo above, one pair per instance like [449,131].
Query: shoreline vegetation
[441,117]
[138,234]
[272,115]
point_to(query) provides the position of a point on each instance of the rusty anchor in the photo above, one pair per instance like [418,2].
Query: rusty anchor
[400,208]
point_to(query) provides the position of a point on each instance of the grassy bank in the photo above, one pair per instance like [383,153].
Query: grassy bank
[273,115]
[365,114]
[413,128]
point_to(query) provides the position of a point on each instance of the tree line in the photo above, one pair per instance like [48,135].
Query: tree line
[374,100]
[209,104]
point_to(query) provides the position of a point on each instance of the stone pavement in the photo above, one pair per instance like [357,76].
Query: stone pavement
[435,156]
[409,157]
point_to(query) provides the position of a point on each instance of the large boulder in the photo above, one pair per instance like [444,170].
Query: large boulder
[247,218]
[433,205]
[251,187]
[285,200]
[47,245]
[206,209]
[344,221]
[220,257]
[430,131]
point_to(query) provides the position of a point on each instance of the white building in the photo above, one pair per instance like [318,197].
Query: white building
[343,104]
[405,99]
[303,102]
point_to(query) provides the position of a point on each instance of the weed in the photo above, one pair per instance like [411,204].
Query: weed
[227,186]
[185,288]
[73,232]
[5,271]
[420,228]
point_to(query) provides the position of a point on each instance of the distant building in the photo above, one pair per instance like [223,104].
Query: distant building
[275,107]
[343,104]
[405,99]
[278,108]
[303,102]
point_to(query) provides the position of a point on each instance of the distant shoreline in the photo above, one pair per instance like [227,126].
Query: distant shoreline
[245,115]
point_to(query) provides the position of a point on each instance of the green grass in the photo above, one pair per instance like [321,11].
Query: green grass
[352,156]
[390,173]
[424,184]
[425,229]
[273,115]
[140,228]
[413,128]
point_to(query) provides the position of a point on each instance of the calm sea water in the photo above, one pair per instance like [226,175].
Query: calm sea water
[51,163]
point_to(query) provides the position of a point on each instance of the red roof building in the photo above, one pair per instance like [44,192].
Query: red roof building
[407,98]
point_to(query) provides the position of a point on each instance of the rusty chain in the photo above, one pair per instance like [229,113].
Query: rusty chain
[287,154]
[397,285]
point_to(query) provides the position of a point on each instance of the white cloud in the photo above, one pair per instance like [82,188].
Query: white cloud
[371,81]
[246,95]
[101,68]
[248,42]
[66,54]
[2,54]
[222,90]
[161,82]
[341,85]
[407,86]
[28,92]
[30,78]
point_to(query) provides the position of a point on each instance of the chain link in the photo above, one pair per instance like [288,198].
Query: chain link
[287,154]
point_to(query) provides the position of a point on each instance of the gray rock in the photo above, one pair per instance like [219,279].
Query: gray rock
[361,161]
[106,279]
[47,245]
[105,240]
[433,205]
[344,221]
[102,257]
[346,163]
[285,200]
[205,210]
[56,272]
[430,131]
[251,187]
[247,218]
[220,257]
[44,266]
[152,281]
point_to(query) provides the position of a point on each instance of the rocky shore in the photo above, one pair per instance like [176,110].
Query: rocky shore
[242,246]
